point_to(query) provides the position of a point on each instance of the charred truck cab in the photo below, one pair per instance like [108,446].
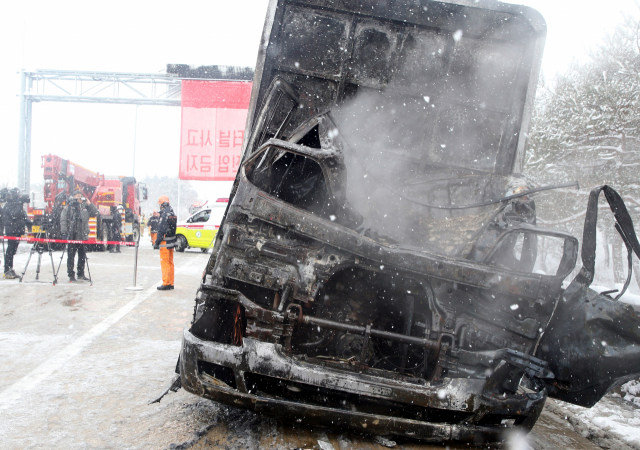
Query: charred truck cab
[379,266]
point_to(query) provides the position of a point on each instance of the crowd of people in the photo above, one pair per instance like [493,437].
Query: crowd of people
[74,226]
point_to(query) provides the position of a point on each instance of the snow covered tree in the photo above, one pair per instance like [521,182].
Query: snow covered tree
[586,127]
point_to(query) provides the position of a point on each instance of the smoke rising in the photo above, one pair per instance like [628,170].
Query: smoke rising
[393,157]
[441,132]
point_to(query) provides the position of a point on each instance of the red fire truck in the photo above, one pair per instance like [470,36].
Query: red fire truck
[62,177]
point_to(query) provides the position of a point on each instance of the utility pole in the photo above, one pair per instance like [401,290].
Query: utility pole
[24,136]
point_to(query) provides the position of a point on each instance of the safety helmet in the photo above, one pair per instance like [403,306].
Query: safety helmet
[163,199]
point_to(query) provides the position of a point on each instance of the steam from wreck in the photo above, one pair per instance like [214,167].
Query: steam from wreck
[442,142]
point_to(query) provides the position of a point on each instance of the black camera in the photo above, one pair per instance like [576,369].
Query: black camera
[76,201]
[13,195]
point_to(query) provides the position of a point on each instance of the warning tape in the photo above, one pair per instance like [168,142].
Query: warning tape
[65,241]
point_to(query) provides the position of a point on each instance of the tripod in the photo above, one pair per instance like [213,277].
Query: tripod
[38,247]
[86,261]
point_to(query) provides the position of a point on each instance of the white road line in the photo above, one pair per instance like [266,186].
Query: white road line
[30,381]
[40,373]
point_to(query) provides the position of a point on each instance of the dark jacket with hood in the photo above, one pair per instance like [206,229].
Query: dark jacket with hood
[77,228]
[153,224]
[14,219]
[116,221]
[167,227]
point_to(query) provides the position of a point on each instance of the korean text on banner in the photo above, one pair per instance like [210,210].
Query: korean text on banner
[213,120]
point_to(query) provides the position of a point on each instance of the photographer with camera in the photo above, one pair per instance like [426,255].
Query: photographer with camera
[74,225]
[14,220]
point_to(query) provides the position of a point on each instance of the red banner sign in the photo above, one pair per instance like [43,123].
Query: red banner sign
[213,120]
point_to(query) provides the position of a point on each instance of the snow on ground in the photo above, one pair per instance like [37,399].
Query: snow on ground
[630,391]
[611,416]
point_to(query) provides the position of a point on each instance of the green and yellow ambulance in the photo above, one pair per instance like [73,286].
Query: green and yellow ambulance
[199,230]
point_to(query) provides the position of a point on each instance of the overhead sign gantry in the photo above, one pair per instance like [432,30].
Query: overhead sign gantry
[125,88]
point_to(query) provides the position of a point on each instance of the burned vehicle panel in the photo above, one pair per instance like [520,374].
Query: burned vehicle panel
[379,265]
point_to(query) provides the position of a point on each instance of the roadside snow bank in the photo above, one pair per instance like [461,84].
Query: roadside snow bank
[611,423]
[631,390]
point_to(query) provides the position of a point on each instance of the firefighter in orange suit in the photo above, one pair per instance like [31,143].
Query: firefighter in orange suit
[165,241]
[153,226]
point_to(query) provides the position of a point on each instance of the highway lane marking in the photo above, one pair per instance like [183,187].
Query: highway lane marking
[44,370]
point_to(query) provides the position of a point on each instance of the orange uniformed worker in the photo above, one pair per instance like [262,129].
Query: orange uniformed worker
[153,226]
[165,241]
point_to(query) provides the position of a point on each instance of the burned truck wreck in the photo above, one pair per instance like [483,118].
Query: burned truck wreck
[379,266]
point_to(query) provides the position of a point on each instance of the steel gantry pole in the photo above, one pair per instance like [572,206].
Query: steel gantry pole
[27,138]
[23,165]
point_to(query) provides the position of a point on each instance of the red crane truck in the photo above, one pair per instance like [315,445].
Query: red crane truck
[62,177]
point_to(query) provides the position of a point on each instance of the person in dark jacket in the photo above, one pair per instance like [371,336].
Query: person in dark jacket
[14,219]
[74,225]
[165,241]
[153,226]
[114,229]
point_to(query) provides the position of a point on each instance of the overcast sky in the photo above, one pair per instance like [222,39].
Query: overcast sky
[144,36]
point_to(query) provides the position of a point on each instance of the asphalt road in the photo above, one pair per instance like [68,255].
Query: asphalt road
[80,364]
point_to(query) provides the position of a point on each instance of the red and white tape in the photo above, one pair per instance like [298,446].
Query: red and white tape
[65,241]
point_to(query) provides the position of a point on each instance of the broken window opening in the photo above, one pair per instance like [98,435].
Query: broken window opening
[275,114]
[311,139]
[294,179]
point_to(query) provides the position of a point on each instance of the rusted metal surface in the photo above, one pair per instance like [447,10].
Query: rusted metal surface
[379,266]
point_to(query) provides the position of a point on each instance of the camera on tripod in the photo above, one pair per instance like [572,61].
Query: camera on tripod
[13,195]
[46,225]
